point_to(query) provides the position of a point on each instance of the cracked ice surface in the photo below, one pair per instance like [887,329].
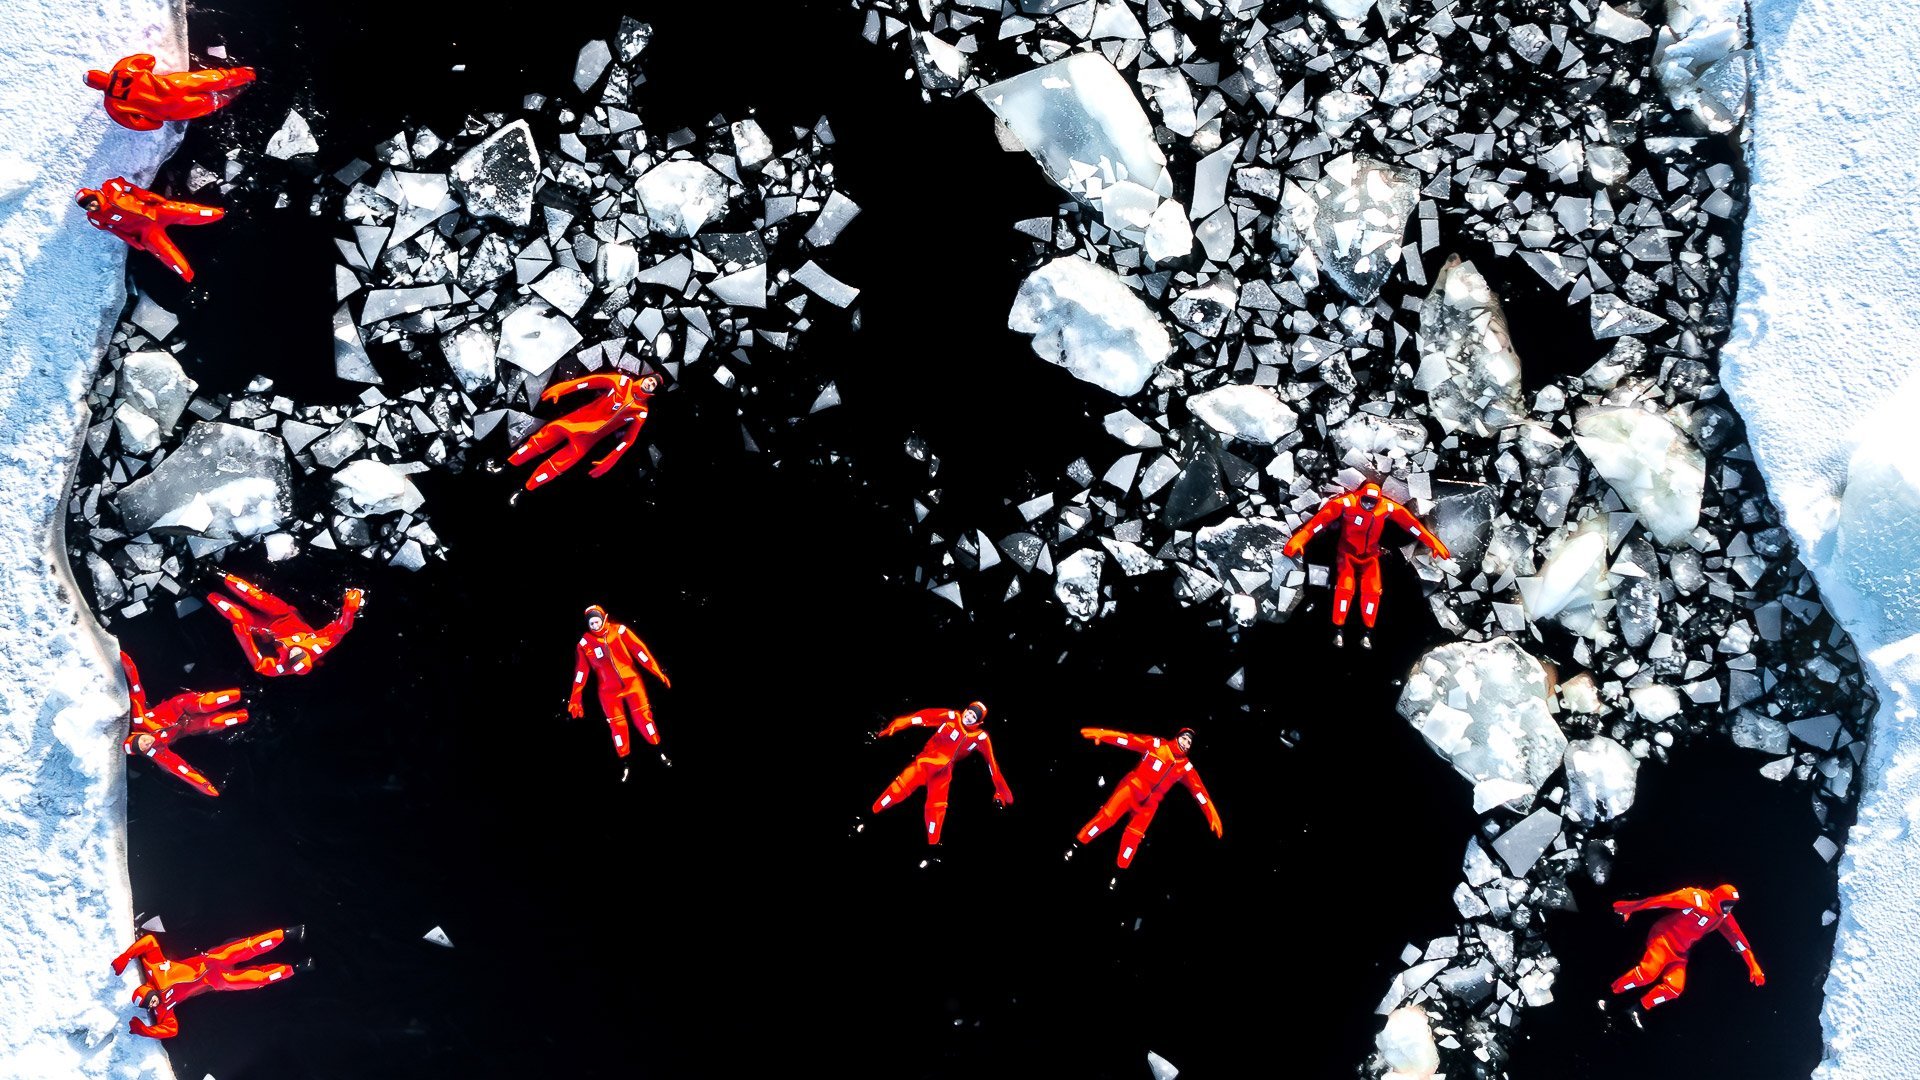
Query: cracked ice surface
[1658,473]
[65,903]
[1483,707]
[1467,362]
[222,483]
[1084,318]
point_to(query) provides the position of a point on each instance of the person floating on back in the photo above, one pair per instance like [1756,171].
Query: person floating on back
[154,729]
[1695,914]
[615,655]
[138,98]
[275,638]
[169,982]
[1163,763]
[955,735]
[1363,515]
[140,218]
[620,411]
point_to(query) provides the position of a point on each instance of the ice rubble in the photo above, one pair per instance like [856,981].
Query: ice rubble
[65,904]
[475,270]
[1602,779]
[1467,364]
[1084,318]
[1658,473]
[1821,365]
[1484,707]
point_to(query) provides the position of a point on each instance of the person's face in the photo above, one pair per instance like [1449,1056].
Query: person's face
[88,203]
[152,1001]
[144,743]
[1185,741]
[595,622]
[1369,499]
[298,658]
[970,717]
[649,384]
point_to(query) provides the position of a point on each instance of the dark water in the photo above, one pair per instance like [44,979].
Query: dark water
[719,918]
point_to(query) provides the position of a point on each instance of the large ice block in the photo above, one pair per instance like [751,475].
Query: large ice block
[1483,707]
[1652,465]
[1084,318]
[222,483]
[1467,363]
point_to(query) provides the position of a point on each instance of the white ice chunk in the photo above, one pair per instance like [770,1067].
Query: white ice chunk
[470,353]
[366,487]
[750,143]
[1613,317]
[835,216]
[438,937]
[566,289]
[1083,317]
[1169,235]
[1702,60]
[1610,22]
[534,339]
[153,386]
[1572,584]
[293,139]
[1521,846]
[222,483]
[1467,363]
[1080,120]
[1076,582]
[1406,1045]
[1656,702]
[591,64]
[1651,464]
[1354,216]
[1161,1068]
[1483,707]
[824,285]
[495,179]
[745,288]
[681,197]
[1602,778]
[1253,414]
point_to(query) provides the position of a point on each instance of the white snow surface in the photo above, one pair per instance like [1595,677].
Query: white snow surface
[65,905]
[1824,365]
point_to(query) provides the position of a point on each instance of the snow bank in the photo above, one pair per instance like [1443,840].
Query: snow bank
[1823,366]
[65,907]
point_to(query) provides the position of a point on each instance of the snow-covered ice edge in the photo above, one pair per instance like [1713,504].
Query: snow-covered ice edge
[65,903]
[1821,365]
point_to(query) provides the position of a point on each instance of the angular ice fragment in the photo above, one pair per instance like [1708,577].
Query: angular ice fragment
[1084,318]
[1353,217]
[1408,78]
[1521,846]
[824,285]
[1701,60]
[222,483]
[1462,517]
[680,197]
[153,385]
[1572,584]
[495,179]
[350,361]
[1601,780]
[565,288]
[1610,22]
[1168,236]
[1406,1045]
[1756,732]
[746,288]
[1467,362]
[835,216]
[1613,317]
[1253,414]
[1656,702]
[438,937]
[1162,1068]
[367,487]
[941,66]
[591,64]
[1076,582]
[1651,464]
[1483,707]
[750,143]
[293,139]
[1347,9]
[534,339]
[1081,121]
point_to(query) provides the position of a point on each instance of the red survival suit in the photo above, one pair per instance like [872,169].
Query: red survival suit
[1162,764]
[616,655]
[139,99]
[1663,970]
[957,733]
[1360,529]
[140,218]
[170,982]
[259,616]
[620,410]
[176,718]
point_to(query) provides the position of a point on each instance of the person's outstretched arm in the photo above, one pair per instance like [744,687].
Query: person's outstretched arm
[581,667]
[1001,792]
[1679,898]
[644,654]
[1404,518]
[1126,740]
[927,718]
[1730,929]
[1328,514]
[1190,776]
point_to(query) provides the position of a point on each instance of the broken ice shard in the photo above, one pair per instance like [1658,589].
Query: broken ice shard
[222,483]
[1467,363]
[1161,1068]
[1076,581]
[1084,318]
[1354,216]
[1483,707]
[1522,845]
[1242,553]
[681,196]
[366,487]
[1613,317]
[1651,465]
[1082,123]
[495,179]
[153,393]
[1406,1045]
[534,339]
[293,139]
[1701,60]
[350,361]
[1572,584]
[1462,517]
[1611,22]
[1253,414]
[1601,780]
[591,64]
[438,937]
[745,288]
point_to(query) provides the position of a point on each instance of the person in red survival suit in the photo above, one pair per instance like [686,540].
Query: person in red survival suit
[1363,515]
[258,616]
[620,410]
[181,715]
[1697,913]
[140,218]
[615,656]
[170,982]
[1163,763]
[955,735]
[138,98]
